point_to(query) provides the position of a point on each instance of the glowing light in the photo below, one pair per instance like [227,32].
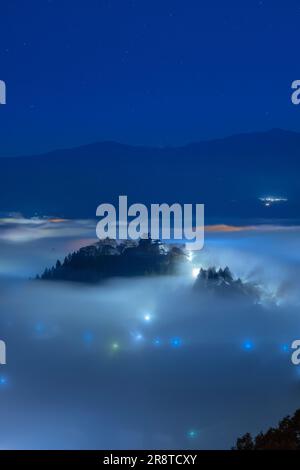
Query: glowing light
[3,380]
[147,317]
[137,336]
[192,434]
[115,346]
[248,345]
[176,342]
[195,272]
[285,348]
[157,341]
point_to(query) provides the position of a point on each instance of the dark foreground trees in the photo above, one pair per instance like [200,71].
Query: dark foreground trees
[286,436]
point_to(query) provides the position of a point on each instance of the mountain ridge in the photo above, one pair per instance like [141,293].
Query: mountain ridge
[116,143]
[229,175]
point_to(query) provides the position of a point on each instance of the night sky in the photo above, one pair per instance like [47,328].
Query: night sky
[149,362]
[144,72]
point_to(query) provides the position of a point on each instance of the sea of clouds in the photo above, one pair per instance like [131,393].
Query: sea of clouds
[147,362]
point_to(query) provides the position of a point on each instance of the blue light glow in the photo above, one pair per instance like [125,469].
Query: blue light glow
[176,342]
[3,381]
[248,345]
[137,336]
[192,434]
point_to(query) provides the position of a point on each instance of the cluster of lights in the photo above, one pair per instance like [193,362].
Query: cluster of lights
[249,346]
[177,342]
[174,342]
[267,201]
[147,317]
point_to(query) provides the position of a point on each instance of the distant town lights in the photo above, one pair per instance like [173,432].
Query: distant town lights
[269,200]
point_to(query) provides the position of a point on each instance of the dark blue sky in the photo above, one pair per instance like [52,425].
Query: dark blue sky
[153,72]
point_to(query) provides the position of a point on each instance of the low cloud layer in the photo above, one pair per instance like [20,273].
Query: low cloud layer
[147,363]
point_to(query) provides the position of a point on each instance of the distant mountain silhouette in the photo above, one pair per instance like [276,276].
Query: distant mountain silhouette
[228,175]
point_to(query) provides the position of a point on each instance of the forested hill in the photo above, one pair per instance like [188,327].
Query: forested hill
[108,258]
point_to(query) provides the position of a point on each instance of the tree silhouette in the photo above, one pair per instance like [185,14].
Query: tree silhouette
[107,258]
[286,436]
